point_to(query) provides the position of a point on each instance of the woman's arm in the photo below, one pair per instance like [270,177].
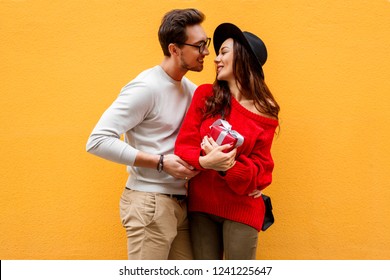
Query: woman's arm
[253,171]
[188,143]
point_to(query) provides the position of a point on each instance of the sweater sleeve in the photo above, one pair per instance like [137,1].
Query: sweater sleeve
[129,109]
[187,145]
[253,171]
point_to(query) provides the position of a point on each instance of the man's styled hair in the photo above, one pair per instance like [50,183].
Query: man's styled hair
[173,26]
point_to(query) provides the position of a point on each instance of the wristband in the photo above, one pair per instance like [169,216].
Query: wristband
[160,165]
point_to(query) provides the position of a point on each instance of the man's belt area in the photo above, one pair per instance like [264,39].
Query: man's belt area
[176,196]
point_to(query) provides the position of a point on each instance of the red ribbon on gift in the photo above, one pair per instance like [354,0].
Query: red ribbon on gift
[224,131]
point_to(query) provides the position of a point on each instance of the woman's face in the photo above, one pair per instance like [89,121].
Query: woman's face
[224,61]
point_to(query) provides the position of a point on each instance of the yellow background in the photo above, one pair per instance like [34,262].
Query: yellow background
[64,62]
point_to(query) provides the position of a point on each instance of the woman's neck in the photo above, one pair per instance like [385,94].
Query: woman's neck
[235,90]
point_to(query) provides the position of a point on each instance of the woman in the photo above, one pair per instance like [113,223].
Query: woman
[225,213]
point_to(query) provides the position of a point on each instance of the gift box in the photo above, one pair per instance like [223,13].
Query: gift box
[222,133]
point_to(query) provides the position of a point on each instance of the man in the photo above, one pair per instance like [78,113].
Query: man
[149,111]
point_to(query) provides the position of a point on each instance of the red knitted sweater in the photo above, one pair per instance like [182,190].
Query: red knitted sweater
[227,196]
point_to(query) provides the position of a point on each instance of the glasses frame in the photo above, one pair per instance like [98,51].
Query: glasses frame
[201,47]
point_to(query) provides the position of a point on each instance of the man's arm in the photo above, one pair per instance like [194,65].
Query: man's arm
[172,164]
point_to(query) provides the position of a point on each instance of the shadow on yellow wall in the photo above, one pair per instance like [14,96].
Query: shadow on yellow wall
[63,63]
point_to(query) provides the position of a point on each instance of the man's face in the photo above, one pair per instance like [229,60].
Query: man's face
[190,58]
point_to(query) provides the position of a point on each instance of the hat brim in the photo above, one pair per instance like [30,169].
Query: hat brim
[225,31]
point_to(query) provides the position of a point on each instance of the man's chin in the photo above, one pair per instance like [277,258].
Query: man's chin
[197,69]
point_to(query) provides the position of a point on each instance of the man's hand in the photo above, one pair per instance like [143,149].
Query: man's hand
[178,168]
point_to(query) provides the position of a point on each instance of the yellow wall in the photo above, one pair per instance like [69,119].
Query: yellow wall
[63,62]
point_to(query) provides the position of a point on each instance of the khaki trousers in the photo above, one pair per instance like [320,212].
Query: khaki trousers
[156,225]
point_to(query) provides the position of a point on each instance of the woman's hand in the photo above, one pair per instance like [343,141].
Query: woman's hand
[215,157]
[256,193]
[208,144]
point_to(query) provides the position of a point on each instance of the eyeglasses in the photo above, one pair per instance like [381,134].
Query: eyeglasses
[202,46]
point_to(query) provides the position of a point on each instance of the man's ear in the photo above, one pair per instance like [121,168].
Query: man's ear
[173,49]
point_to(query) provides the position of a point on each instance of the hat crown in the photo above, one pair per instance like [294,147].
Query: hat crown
[257,46]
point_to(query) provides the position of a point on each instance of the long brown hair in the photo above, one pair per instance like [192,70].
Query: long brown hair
[249,78]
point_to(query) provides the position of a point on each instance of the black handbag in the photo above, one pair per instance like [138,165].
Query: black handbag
[269,216]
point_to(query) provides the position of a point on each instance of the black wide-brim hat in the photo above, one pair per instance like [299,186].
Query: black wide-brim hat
[250,41]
